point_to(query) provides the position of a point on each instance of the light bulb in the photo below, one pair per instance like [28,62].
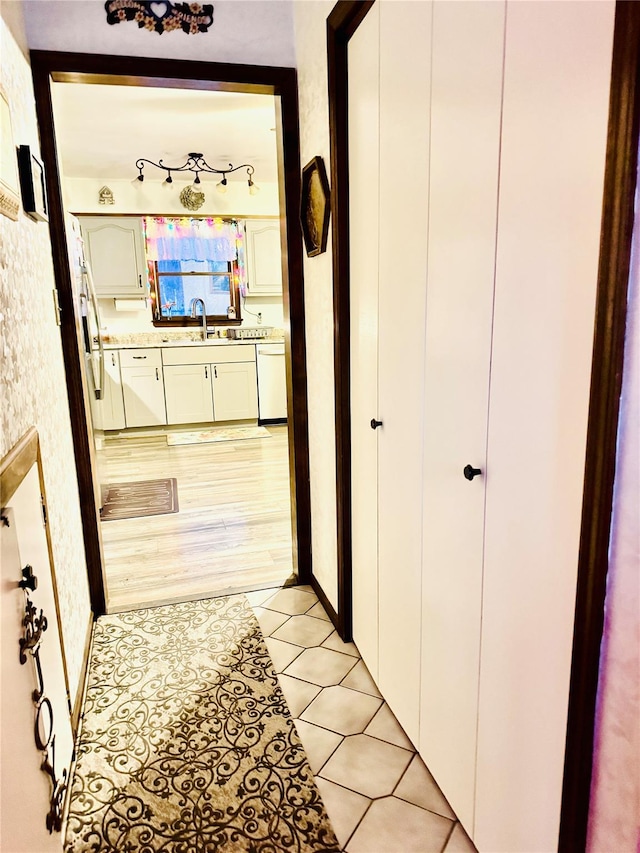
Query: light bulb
[254,189]
[221,186]
[137,180]
[167,184]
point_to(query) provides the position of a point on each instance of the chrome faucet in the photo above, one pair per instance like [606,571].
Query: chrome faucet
[194,314]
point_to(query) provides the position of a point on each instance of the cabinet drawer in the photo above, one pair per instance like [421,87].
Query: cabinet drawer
[140,358]
[209,354]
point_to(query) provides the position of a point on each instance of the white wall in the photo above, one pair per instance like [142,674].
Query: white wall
[33,385]
[311,57]
[243,31]
[151,197]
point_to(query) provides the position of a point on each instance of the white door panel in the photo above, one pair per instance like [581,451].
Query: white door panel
[363,223]
[405,72]
[553,154]
[468,42]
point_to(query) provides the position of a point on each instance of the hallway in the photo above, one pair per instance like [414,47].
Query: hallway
[378,794]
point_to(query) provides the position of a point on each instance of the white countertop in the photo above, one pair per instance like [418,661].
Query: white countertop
[225,342]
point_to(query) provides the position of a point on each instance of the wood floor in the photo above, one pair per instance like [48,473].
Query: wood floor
[232,532]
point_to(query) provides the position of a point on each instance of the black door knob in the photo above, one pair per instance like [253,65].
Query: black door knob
[470,472]
[375,424]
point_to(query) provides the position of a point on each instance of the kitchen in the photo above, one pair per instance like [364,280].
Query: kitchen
[207,412]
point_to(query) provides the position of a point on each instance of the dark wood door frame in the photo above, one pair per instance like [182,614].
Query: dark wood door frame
[136,71]
[602,430]
[344,19]
[606,379]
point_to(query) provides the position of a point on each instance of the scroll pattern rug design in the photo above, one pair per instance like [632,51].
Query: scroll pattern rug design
[186,741]
[139,499]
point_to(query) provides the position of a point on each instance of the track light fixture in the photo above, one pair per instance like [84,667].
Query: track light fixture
[196,164]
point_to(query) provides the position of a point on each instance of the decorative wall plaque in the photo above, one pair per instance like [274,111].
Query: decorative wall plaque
[314,207]
[161,16]
[191,199]
[105,196]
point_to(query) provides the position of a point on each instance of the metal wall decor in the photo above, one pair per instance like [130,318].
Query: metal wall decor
[105,196]
[314,207]
[191,199]
[161,16]
[34,625]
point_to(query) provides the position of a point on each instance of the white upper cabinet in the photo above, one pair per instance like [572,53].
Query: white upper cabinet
[114,248]
[264,257]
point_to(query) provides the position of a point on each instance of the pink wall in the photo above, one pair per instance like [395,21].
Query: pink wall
[614,818]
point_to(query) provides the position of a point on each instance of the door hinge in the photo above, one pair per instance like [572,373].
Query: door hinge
[44,510]
[56,306]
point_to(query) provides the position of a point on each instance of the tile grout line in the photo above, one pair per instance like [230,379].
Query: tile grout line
[318,775]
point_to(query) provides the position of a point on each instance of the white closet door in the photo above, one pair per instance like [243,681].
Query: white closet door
[557,74]
[468,40]
[363,223]
[405,71]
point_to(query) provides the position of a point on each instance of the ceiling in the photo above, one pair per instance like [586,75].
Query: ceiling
[102,130]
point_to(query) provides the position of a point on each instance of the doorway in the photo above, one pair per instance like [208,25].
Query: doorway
[51,68]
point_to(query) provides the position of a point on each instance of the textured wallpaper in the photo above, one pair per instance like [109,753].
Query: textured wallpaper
[32,389]
[311,49]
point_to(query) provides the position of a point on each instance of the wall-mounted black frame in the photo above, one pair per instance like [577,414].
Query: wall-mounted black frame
[32,185]
[137,71]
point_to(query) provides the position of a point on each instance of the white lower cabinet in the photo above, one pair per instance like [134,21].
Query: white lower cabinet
[112,403]
[204,384]
[235,391]
[188,393]
[143,387]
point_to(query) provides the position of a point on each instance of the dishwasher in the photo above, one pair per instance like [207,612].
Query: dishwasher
[272,383]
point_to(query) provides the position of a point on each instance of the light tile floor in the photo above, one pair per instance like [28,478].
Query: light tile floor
[379,795]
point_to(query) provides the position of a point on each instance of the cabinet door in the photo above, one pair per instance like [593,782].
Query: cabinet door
[143,396]
[188,393]
[112,403]
[114,249]
[264,257]
[235,391]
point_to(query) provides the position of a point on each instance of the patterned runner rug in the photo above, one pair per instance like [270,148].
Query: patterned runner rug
[186,742]
[217,434]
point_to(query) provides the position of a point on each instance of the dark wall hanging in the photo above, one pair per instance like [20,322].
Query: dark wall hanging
[34,198]
[314,207]
[161,16]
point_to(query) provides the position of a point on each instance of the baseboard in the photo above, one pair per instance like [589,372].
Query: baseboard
[271,421]
[82,681]
[331,613]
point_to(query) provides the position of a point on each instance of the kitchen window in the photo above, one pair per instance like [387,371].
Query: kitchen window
[192,259]
[174,284]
